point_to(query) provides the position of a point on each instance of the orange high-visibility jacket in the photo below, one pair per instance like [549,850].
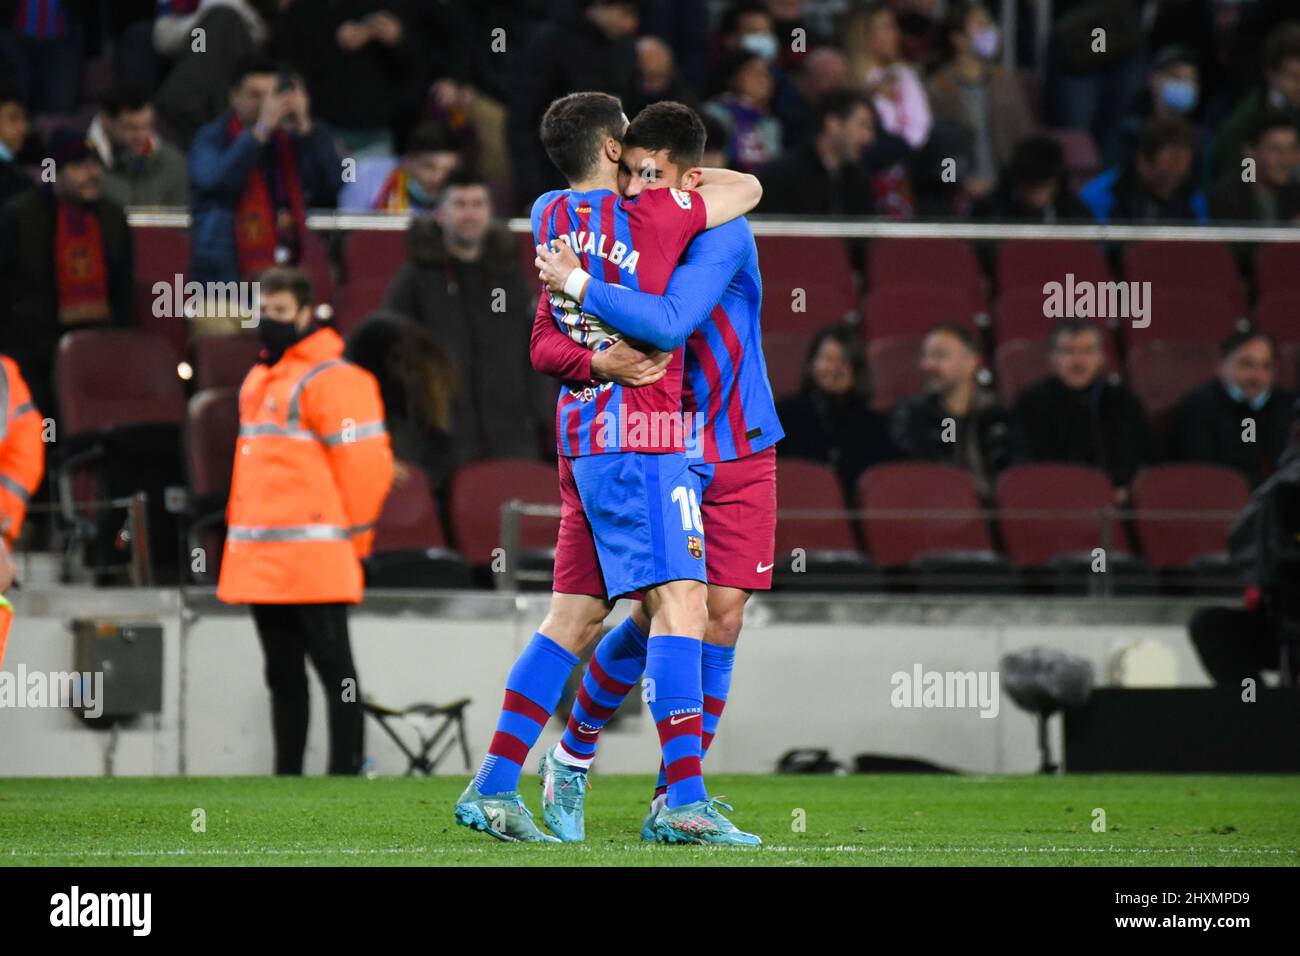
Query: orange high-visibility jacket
[312,469]
[6,618]
[22,453]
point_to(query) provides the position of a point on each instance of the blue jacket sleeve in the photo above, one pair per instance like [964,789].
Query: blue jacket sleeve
[694,288]
[218,167]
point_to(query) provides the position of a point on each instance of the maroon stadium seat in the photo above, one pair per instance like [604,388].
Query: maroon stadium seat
[371,259]
[809,486]
[1288,366]
[211,436]
[410,549]
[905,486]
[1196,267]
[817,265]
[913,310]
[784,356]
[949,264]
[112,377]
[895,369]
[1186,315]
[315,261]
[1277,269]
[1019,315]
[223,361]
[1177,542]
[1278,314]
[1032,263]
[479,489]
[1017,365]
[1066,501]
[409,520]
[160,255]
[1161,373]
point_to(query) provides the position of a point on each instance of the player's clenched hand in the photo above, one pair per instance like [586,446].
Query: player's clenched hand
[554,267]
[627,365]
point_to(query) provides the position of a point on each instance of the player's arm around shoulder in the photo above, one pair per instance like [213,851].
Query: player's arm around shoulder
[344,410]
[727,195]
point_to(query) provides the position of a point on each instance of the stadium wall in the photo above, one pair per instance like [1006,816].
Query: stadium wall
[811,673]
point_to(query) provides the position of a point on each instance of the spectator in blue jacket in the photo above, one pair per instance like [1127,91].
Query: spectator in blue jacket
[254,172]
[1156,184]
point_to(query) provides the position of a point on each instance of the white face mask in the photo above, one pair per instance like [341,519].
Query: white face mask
[760,44]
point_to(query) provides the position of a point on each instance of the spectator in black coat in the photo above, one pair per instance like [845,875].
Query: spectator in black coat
[463,283]
[1034,187]
[1082,415]
[826,176]
[596,50]
[956,421]
[1272,196]
[830,418]
[1241,419]
[13,135]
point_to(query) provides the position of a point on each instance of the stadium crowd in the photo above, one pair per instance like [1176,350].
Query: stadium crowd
[250,113]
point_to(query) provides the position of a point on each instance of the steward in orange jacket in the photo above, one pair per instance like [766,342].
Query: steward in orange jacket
[312,469]
[22,463]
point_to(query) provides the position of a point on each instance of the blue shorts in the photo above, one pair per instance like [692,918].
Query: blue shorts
[644,515]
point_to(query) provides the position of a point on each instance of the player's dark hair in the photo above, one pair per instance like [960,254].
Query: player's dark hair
[287,279]
[850,340]
[574,130]
[959,332]
[715,134]
[1071,325]
[1159,134]
[125,96]
[837,103]
[674,128]
[1239,338]
[252,64]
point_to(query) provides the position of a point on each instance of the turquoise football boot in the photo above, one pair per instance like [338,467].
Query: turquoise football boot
[564,789]
[648,826]
[701,822]
[503,816]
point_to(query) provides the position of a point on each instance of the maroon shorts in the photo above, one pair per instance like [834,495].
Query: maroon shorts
[577,566]
[739,511]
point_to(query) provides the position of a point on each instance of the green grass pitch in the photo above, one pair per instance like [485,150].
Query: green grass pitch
[854,821]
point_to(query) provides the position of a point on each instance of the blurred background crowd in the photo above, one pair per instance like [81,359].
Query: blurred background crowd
[249,114]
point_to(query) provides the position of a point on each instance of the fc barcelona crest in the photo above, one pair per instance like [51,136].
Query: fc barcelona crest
[695,546]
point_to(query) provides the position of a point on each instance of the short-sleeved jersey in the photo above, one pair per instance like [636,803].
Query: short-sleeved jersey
[634,243]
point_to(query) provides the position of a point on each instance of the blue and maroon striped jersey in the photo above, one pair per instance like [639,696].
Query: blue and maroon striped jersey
[712,302]
[634,243]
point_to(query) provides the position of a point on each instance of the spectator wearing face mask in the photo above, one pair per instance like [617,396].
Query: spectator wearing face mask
[975,97]
[1172,91]
[830,418]
[1273,197]
[139,168]
[1080,414]
[1157,184]
[956,420]
[1211,422]
[1280,92]
[745,111]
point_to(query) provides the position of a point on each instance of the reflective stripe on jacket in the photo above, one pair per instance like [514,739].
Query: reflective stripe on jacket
[313,465]
[22,452]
